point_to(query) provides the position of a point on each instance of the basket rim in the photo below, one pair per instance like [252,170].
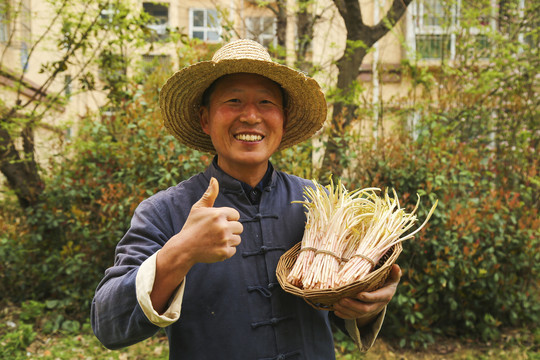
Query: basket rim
[325,298]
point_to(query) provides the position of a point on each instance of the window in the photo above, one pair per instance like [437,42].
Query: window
[26,33]
[67,86]
[4,21]
[436,27]
[25,58]
[433,29]
[153,62]
[108,112]
[108,14]
[261,29]
[159,23]
[112,67]
[26,21]
[204,24]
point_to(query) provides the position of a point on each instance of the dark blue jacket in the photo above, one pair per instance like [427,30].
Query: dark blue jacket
[234,309]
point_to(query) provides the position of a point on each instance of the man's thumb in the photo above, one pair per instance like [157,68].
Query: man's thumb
[210,195]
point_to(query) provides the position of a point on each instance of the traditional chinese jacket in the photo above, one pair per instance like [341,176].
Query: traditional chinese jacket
[233,309]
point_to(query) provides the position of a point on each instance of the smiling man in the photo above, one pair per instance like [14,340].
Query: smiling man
[245,119]
[199,258]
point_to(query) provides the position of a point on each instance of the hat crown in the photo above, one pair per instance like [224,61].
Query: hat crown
[242,49]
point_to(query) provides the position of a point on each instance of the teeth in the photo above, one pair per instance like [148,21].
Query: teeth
[248,137]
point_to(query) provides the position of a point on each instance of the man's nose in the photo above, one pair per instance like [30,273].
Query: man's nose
[251,113]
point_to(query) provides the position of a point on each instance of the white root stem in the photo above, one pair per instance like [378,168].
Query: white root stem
[347,233]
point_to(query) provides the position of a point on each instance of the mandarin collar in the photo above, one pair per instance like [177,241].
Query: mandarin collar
[227,181]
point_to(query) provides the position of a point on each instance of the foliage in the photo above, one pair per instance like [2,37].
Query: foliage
[31,331]
[473,146]
[14,343]
[77,31]
[474,269]
[20,327]
[60,248]
[295,160]
[57,249]
[39,343]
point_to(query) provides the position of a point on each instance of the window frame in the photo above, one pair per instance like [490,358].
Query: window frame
[4,21]
[421,29]
[205,29]
[161,24]
[417,28]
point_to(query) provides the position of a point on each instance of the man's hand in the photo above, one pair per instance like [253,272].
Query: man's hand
[209,235]
[365,306]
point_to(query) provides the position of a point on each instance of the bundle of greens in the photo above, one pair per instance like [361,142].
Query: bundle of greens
[347,233]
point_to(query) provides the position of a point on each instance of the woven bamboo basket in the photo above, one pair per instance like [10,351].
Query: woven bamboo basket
[324,299]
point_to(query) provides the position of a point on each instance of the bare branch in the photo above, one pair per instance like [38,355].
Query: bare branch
[11,34]
[70,52]
[81,70]
[392,17]
[34,46]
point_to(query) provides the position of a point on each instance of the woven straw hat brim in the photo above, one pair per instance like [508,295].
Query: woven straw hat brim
[181,96]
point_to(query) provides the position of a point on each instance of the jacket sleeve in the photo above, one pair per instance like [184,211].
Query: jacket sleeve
[365,338]
[116,316]
[144,285]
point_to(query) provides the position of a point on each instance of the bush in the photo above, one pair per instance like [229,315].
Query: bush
[60,248]
[474,269]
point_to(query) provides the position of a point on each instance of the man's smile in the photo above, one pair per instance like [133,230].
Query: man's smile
[248,137]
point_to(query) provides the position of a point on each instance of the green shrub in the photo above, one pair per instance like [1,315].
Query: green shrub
[14,341]
[60,248]
[474,269]
[296,160]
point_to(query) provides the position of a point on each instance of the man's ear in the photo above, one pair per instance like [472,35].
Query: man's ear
[203,118]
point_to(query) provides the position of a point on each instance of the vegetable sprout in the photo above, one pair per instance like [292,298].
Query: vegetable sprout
[347,233]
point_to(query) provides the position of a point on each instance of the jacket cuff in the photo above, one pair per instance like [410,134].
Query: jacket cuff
[144,283]
[365,338]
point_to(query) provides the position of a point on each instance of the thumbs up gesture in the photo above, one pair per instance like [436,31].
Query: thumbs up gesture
[210,234]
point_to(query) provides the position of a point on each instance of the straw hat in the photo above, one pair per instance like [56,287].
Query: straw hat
[181,96]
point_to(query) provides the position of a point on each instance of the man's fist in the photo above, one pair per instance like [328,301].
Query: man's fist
[210,234]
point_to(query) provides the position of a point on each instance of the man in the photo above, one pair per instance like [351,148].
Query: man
[199,258]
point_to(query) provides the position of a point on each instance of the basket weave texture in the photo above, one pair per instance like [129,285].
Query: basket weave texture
[324,299]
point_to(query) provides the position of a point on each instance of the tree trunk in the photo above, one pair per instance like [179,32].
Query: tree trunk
[281,31]
[360,37]
[305,21]
[279,8]
[21,172]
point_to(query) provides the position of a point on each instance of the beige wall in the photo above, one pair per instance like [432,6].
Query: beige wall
[328,46]
[330,39]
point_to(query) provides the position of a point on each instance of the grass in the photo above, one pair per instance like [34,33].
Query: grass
[24,334]
[523,344]
[86,346]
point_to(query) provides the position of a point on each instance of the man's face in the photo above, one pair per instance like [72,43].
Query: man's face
[245,120]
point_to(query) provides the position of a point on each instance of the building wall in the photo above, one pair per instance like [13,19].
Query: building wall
[328,45]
